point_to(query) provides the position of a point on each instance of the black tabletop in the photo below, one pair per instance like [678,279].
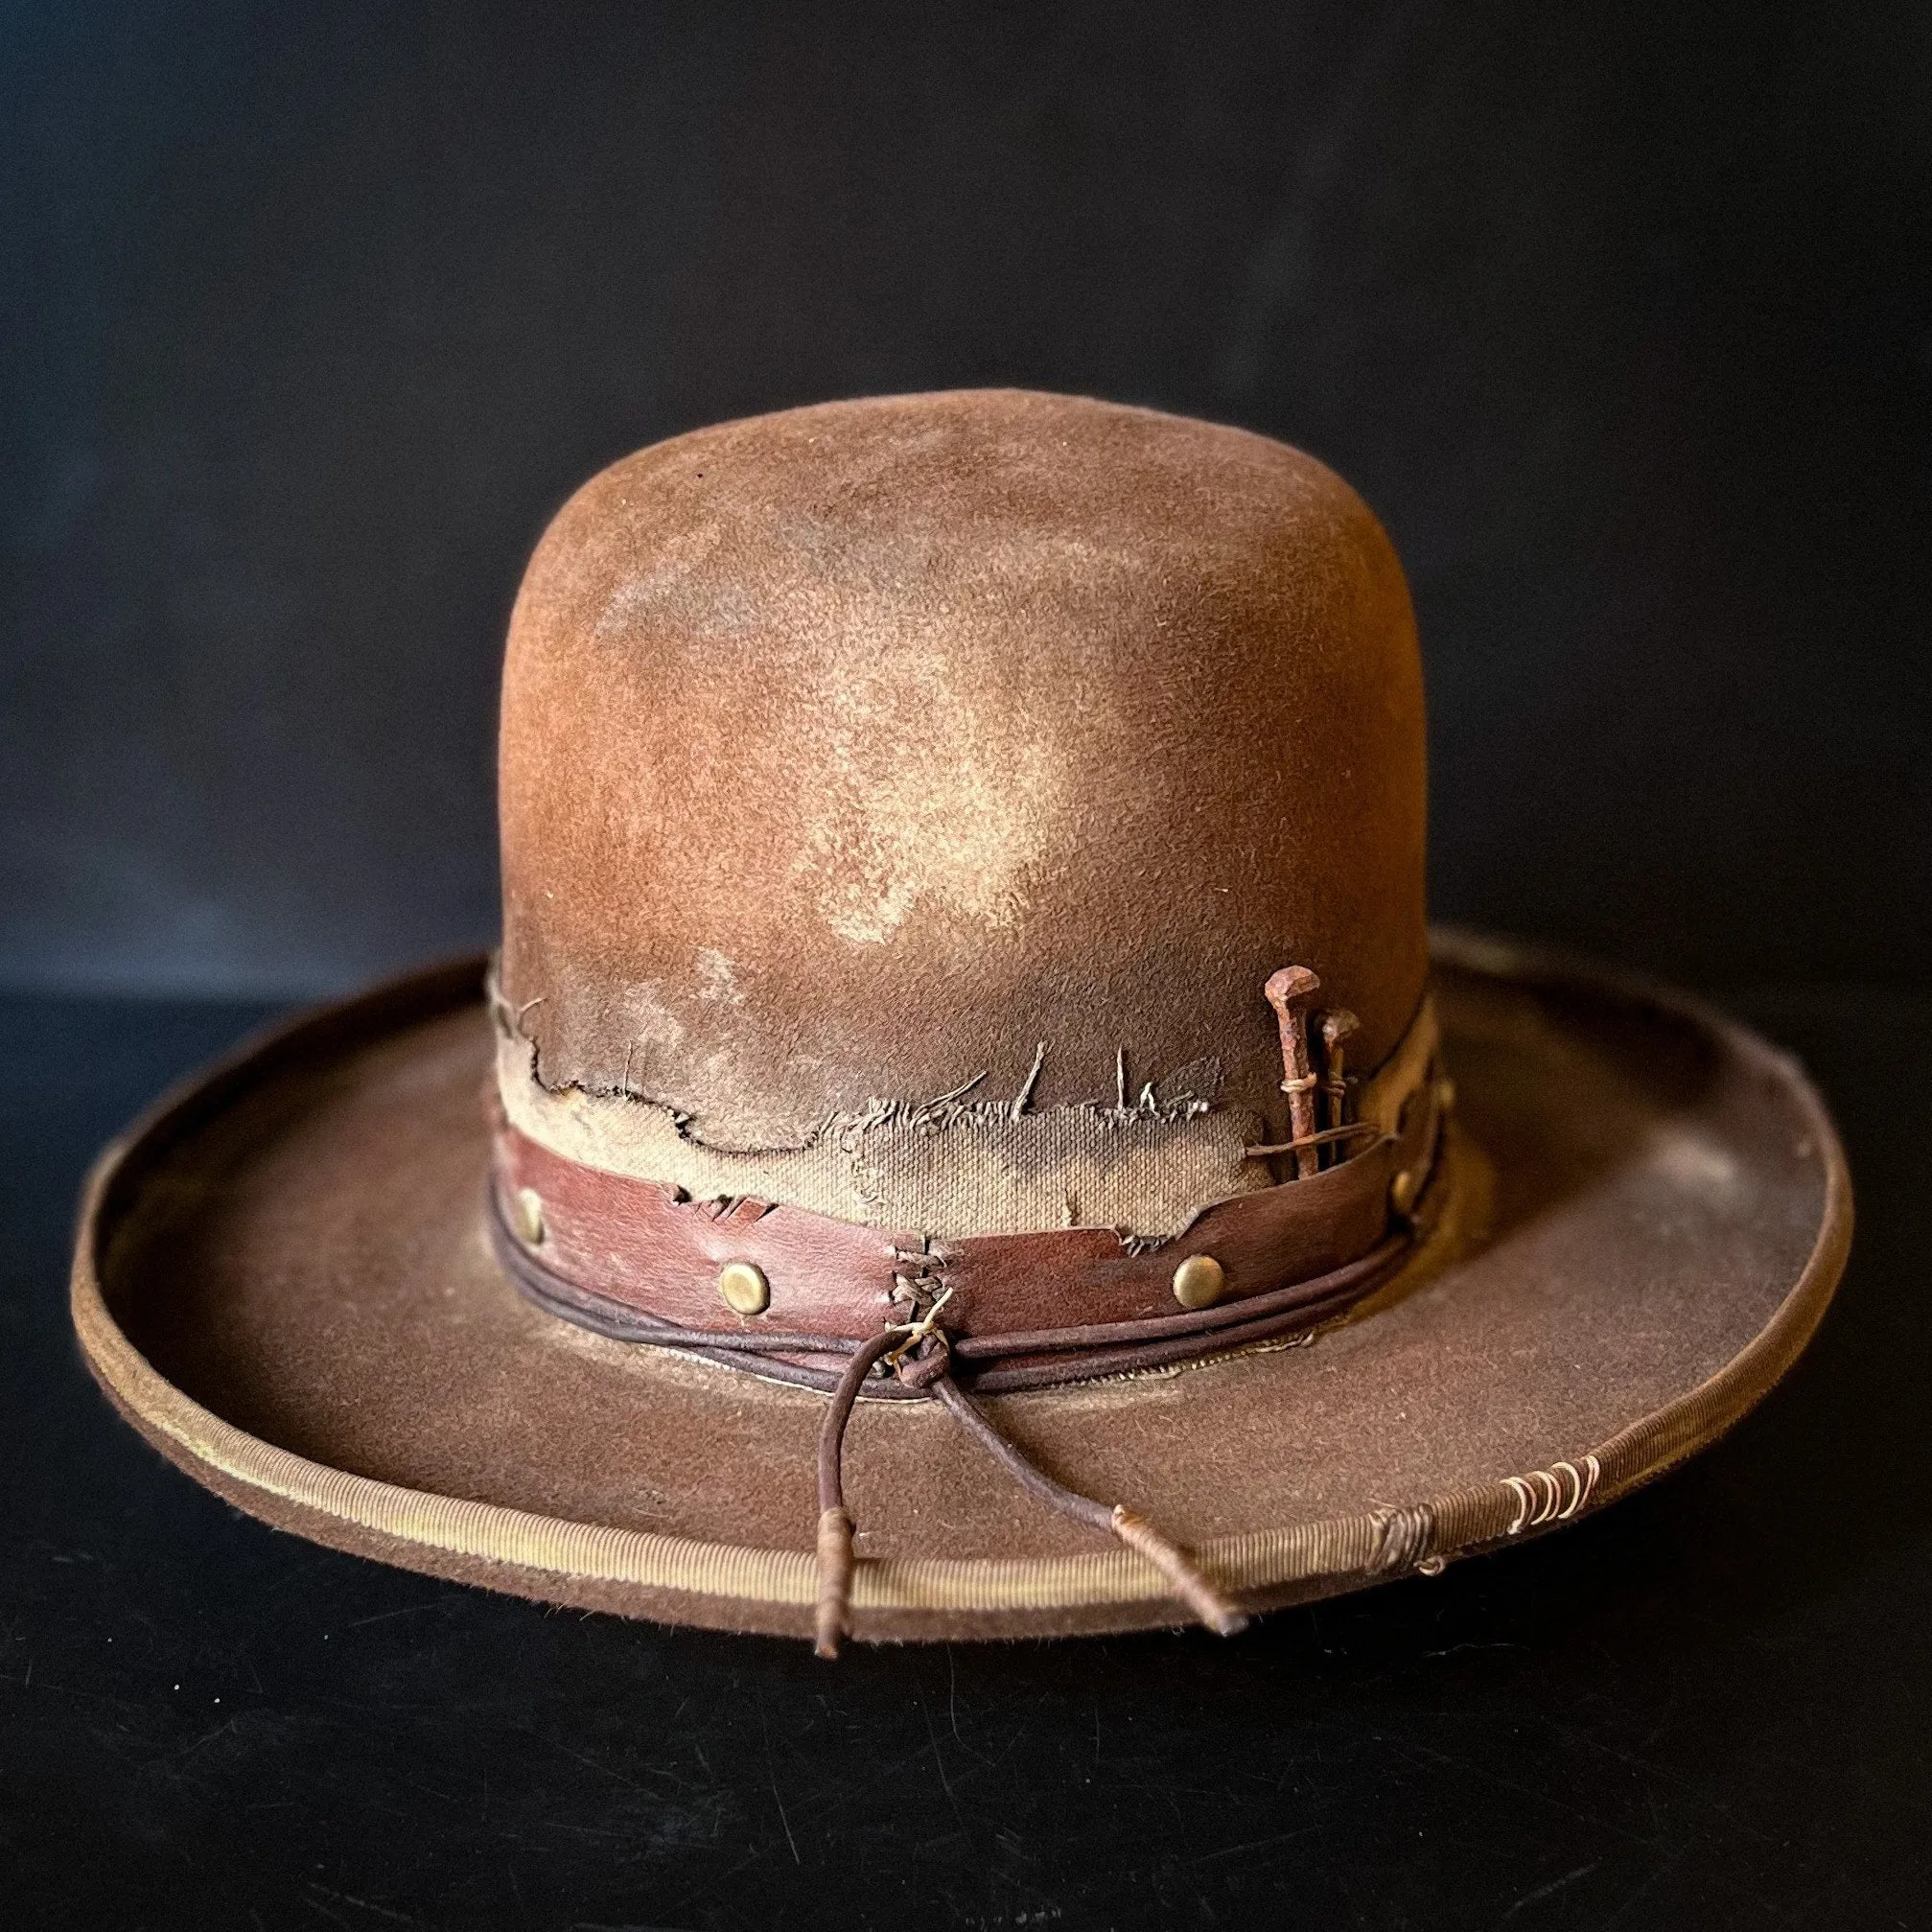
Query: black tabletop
[1705,1706]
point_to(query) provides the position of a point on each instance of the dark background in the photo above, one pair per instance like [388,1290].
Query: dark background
[1620,316]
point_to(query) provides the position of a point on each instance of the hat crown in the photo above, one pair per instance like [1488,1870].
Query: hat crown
[975,755]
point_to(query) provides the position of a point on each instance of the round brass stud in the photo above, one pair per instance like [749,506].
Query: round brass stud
[1402,1190]
[1198,1282]
[744,1289]
[530,1216]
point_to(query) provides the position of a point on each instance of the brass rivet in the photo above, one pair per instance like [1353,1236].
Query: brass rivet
[1198,1282]
[1444,1094]
[744,1288]
[530,1216]
[1402,1190]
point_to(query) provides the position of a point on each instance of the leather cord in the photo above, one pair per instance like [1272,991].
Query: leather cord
[1193,1589]
[835,1553]
[836,1558]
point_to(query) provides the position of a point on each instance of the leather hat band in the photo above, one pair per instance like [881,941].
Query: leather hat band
[638,1259]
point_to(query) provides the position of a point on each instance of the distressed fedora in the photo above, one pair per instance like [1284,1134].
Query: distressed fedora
[968,1132]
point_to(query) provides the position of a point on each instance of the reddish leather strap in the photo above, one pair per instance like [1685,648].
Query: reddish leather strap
[1046,1306]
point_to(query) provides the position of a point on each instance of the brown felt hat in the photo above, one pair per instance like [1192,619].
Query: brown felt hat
[967,1134]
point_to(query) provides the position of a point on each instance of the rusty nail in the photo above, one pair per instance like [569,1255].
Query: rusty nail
[1288,993]
[1336,1024]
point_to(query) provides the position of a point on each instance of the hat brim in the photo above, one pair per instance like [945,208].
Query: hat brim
[284,1281]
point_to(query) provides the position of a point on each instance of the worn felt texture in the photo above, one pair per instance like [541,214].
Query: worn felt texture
[850,752]
[306,1259]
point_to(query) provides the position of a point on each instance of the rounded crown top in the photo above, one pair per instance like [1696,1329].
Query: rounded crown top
[861,754]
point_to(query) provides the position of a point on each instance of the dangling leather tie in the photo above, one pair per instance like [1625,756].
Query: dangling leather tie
[923,1360]
[1193,1589]
[835,1526]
